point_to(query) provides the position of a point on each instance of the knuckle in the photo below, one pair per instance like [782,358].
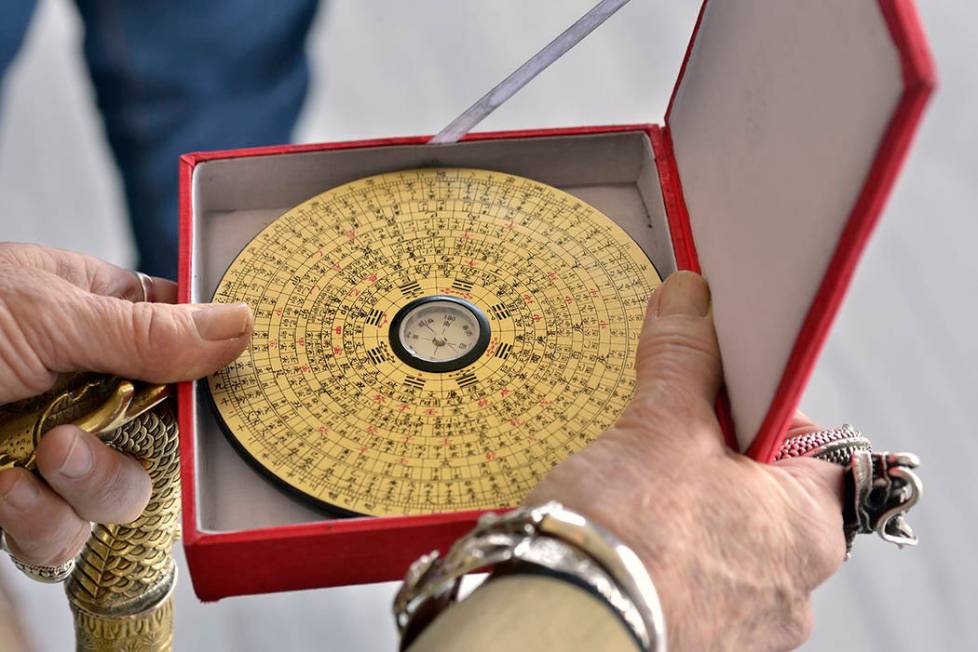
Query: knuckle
[73,541]
[822,551]
[20,254]
[110,485]
[674,334]
[54,449]
[49,538]
[114,494]
[8,251]
[675,340]
[674,360]
[669,409]
[69,266]
[129,490]
[830,552]
[151,329]
[816,519]
[106,279]
[798,624]
[27,344]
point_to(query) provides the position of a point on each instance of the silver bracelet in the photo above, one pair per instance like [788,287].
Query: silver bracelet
[550,537]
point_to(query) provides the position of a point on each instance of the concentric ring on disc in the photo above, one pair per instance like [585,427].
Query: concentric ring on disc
[319,401]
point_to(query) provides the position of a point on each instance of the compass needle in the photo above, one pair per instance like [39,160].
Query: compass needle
[415,353]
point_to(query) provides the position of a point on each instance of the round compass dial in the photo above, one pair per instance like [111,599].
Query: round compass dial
[430,340]
[439,333]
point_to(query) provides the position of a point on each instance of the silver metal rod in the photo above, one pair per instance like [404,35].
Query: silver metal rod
[522,75]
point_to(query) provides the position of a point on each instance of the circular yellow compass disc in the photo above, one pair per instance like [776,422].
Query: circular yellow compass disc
[326,401]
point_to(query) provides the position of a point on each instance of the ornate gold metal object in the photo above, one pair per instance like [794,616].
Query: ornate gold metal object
[120,591]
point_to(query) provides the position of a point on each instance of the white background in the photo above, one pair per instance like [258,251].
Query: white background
[901,362]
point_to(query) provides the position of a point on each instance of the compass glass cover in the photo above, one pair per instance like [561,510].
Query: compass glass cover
[439,331]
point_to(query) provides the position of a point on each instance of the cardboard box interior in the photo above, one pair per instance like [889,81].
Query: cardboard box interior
[233,199]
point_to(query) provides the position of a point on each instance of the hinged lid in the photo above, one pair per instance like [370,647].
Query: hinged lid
[788,123]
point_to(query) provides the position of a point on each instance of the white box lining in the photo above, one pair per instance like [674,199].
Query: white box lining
[234,198]
[774,134]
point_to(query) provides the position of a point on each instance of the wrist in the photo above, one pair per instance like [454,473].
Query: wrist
[663,558]
[528,612]
[549,536]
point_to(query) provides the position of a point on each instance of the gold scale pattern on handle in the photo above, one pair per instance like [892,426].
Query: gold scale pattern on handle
[120,589]
[120,592]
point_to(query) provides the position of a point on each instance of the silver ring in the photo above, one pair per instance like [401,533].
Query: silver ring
[45,574]
[880,488]
[39,572]
[836,445]
[147,287]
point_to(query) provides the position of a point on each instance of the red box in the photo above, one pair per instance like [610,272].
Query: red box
[786,130]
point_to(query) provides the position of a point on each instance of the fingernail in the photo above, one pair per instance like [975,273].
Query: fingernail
[22,494]
[78,462]
[684,293]
[222,321]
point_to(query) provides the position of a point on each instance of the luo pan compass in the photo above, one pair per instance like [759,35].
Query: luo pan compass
[431,340]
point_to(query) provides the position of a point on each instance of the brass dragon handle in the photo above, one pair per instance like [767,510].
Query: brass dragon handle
[120,591]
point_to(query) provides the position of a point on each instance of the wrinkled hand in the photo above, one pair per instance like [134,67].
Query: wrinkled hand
[61,312]
[734,547]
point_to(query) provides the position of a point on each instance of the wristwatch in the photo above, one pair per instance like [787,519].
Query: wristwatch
[551,538]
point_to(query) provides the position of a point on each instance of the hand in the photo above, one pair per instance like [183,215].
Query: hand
[734,547]
[61,312]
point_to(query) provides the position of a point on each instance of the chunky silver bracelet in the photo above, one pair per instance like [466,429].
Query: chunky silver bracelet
[550,537]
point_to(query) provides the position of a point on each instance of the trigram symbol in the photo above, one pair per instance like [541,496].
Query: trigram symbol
[499,311]
[414,383]
[464,286]
[374,317]
[378,354]
[410,289]
[503,351]
[467,379]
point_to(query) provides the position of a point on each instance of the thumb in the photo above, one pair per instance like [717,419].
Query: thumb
[155,342]
[678,359]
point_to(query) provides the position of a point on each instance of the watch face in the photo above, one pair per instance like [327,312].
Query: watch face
[439,333]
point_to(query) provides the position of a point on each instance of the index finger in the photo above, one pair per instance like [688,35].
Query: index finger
[90,273]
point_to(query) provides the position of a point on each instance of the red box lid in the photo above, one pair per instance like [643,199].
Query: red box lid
[788,123]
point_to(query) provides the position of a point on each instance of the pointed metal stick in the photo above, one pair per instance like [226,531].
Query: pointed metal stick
[525,73]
